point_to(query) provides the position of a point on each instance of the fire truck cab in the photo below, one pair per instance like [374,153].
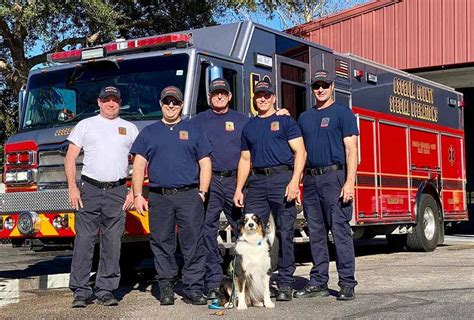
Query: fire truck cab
[411,174]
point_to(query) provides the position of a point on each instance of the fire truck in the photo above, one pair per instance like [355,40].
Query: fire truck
[411,174]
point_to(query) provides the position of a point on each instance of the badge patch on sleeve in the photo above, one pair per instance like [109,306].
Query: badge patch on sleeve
[229,126]
[183,135]
[122,131]
[324,122]
[275,126]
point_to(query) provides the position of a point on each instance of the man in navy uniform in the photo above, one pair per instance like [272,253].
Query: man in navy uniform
[223,126]
[179,171]
[330,135]
[102,197]
[273,152]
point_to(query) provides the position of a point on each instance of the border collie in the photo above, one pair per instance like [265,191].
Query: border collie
[252,269]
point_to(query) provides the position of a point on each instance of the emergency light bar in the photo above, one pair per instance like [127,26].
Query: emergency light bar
[165,41]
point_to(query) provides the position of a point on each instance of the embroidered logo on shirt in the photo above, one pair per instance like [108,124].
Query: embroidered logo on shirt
[183,135]
[229,126]
[122,131]
[324,122]
[275,126]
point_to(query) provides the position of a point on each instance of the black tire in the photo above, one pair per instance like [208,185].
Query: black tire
[426,233]
[396,242]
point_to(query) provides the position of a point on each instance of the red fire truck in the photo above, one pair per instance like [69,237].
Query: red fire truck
[411,174]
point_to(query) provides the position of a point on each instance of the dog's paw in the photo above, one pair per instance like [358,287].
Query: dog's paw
[258,304]
[269,304]
[242,306]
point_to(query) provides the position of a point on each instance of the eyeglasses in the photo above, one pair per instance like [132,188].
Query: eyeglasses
[265,95]
[323,85]
[168,102]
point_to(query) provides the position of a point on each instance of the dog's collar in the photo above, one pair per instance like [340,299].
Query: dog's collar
[259,242]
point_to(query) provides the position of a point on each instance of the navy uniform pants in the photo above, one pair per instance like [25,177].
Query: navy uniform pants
[265,194]
[324,211]
[102,216]
[186,211]
[221,195]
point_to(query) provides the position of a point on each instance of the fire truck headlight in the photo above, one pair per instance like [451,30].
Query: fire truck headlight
[61,222]
[23,176]
[9,223]
[28,223]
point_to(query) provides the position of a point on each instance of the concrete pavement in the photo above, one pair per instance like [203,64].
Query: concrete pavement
[402,285]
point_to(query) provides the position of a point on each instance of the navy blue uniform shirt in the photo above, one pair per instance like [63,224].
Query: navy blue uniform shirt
[267,140]
[224,132]
[172,155]
[323,133]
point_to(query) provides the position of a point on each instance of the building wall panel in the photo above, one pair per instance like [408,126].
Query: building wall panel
[469,29]
[460,48]
[404,34]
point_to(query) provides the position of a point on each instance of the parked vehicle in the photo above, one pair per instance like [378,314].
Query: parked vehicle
[411,174]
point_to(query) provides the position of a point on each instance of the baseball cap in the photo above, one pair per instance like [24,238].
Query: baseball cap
[109,91]
[322,76]
[263,86]
[171,91]
[219,84]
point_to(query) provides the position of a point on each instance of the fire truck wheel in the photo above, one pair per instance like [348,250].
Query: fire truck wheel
[396,242]
[426,232]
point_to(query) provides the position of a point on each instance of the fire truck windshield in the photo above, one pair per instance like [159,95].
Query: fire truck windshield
[69,95]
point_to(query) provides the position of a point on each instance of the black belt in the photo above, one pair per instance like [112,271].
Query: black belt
[225,173]
[268,171]
[171,191]
[323,170]
[101,184]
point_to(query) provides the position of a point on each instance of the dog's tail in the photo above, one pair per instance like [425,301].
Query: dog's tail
[271,229]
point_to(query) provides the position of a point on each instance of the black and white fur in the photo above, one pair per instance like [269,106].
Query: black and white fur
[252,270]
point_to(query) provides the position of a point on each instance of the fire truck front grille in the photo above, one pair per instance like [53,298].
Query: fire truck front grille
[51,169]
[48,200]
[54,175]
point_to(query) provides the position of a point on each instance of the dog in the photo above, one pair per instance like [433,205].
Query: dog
[250,285]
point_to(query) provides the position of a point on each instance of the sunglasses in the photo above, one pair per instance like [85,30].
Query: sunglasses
[323,85]
[265,95]
[175,102]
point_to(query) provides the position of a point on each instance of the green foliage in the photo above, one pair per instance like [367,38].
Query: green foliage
[33,28]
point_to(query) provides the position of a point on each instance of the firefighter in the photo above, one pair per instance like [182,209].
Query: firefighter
[102,198]
[274,147]
[330,134]
[223,126]
[179,171]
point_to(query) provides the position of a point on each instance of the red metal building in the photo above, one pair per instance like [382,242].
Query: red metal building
[432,38]
[405,34]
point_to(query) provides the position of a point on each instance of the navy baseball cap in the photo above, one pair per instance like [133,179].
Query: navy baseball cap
[108,91]
[171,91]
[219,84]
[322,76]
[264,86]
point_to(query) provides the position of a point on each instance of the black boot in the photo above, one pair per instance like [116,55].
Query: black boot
[346,293]
[312,291]
[166,294]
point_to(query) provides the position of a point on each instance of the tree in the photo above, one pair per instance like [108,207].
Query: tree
[289,13]
[33,28]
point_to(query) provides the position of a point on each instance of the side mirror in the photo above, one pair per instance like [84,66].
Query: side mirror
[21,100]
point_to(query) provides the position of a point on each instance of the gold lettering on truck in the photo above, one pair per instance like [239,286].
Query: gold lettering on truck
[413,100]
